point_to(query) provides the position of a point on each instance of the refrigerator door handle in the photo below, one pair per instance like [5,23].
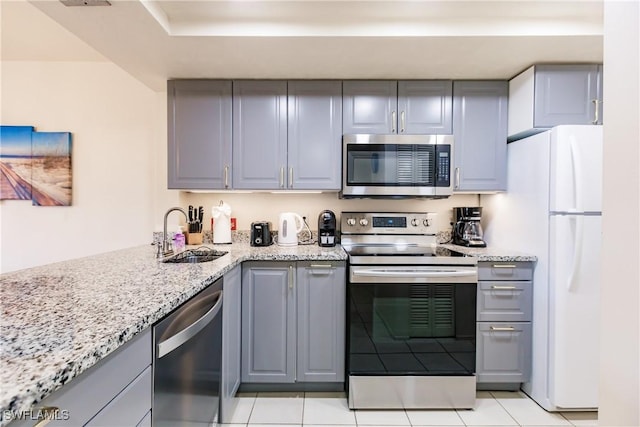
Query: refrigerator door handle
[577,251]
[577,173]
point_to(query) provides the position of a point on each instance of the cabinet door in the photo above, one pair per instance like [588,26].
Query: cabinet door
[370,106]
[565,95]
[480,135]
[268,322]
[199,140]
[321,322]
[259,134]
[424,107]
[231,341]
[503,352]
[315,135]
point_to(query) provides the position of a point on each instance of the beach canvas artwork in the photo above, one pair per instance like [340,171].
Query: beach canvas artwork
[35,166]
[51,169]
[15,162]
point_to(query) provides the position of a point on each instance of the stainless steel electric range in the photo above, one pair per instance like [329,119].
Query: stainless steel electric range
[412,314]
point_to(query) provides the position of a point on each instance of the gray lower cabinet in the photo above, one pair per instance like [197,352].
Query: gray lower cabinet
[397,107]
[231,342]
[259,134]
[314,147]
[504,314]
[268,322]
[293,322]
[321,321]
[199,138]
[480,135]
[116,391]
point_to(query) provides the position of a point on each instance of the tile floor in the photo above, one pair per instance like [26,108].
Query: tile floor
[330,410]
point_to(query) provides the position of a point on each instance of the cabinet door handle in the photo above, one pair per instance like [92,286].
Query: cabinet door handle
[504,266]
[291,177]
[502,328]
[282,177]
[596,114]
[226,176]
[402,121]
[321,269]
[504,288]
[393,122]
[290,277]
[457,179]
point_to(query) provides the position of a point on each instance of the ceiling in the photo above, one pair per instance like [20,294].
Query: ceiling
[155,40]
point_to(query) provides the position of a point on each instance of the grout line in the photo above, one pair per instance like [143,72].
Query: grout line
[505,409]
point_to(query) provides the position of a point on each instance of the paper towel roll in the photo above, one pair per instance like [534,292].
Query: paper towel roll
[221,215]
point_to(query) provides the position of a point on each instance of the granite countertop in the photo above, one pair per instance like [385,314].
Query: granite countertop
[491,254]
[60,319]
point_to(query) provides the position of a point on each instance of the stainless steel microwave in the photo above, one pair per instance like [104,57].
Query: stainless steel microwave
[397,166]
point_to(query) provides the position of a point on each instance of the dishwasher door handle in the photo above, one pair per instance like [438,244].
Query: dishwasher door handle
[167,346]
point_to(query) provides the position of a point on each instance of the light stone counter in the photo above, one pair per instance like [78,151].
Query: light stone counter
[60,319]
[491,254]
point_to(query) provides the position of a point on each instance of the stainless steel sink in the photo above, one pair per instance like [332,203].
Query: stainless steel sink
[195,255]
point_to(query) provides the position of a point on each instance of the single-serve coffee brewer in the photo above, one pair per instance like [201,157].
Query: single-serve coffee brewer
[467,230]
[327,229]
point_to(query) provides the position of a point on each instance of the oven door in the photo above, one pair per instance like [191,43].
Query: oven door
[397,165]
[412,335]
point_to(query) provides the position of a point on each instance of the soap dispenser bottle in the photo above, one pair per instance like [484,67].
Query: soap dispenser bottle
[178,244]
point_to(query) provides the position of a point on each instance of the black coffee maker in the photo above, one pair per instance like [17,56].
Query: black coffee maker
[467,230]
[327,229]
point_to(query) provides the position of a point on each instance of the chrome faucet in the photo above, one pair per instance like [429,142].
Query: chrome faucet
[166,243]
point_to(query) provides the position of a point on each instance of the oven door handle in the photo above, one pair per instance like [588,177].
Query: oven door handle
[379,272]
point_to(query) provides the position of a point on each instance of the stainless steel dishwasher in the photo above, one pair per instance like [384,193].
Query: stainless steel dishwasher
[187,362]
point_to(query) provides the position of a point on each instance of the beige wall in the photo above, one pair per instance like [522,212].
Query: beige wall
[266,206]
[620,321]
[114,122]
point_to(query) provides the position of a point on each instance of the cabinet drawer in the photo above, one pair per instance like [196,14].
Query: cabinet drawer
[503,352]
[504,301]
[128,407]
[92,390]
[505,270]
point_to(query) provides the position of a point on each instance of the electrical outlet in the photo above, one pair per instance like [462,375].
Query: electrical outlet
[306,216]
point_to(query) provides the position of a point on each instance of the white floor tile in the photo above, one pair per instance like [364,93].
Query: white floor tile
[274,425]
[487,412]
[582,418]
[382,418]
[234,425]
[277,408]
[327,410]
[325,394]
[527,412]
[434,418]
[243,410]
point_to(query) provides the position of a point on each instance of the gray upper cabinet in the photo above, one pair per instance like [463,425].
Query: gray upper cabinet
[199,138]
[370,106]
[259,134]
[268,322]
[544,96]
[402,107]
[231,342]
[321,321]
[480,135]
[424,106]
[314,148]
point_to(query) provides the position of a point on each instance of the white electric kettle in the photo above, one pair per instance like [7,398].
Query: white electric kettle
[289,225]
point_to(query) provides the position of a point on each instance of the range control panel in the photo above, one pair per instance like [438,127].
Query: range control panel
[387,222]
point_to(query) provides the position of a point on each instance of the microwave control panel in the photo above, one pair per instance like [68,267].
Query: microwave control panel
[443,169]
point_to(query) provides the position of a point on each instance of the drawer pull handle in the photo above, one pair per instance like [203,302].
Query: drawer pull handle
[321,266]
[502,328]
[503,288]
[504,266]
[49,412]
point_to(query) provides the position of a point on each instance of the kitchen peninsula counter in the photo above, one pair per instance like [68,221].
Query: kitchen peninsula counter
[60,319]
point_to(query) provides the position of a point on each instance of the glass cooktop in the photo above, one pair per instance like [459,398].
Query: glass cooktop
[401,250]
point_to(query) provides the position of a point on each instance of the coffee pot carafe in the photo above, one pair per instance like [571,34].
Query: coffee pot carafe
[467,230]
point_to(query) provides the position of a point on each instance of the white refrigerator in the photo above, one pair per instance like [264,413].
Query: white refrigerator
[552,209]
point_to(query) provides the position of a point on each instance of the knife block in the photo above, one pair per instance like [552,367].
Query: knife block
[193,238]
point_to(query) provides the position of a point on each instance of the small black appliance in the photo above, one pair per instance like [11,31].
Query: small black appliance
[467,230]
[327,229]
[261,233]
